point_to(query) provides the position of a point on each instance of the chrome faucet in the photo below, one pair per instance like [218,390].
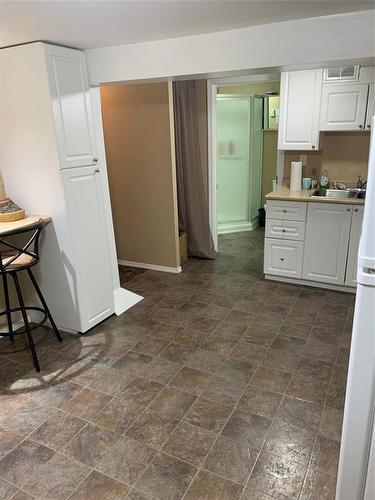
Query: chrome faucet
[360,183]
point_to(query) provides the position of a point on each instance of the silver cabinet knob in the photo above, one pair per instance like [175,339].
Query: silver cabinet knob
[95,160]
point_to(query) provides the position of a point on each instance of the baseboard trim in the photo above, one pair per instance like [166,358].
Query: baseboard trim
[237,228]
[152,267]
[316,284]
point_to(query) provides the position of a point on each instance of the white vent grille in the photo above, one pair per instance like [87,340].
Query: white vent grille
[341,74]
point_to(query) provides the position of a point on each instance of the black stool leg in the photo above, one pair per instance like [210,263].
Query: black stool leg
[7,305]
[44,304]
[26,321]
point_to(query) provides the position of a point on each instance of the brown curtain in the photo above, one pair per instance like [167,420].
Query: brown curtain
[193,212]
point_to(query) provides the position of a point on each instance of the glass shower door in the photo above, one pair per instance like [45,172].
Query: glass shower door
[233,147]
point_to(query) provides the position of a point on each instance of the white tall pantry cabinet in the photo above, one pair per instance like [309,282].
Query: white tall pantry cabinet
[53,164]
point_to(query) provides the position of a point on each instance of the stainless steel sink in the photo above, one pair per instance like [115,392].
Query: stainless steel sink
[339,193]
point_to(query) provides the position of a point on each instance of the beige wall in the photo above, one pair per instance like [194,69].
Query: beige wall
[249,89]
[141,172]
[343,154]
[269,161]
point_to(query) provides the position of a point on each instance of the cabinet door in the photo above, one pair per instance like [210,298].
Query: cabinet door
[283,258]
[300,93]
[370,106]
[71,106]
[326,242]
[343,106]
[355,236]
[91,268]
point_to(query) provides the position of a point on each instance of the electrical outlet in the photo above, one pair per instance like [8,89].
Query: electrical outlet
[303,160]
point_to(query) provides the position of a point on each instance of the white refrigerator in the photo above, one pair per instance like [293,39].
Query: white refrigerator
[356,474]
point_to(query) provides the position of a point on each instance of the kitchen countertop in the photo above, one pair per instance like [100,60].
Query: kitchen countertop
[284,193]
[8,227]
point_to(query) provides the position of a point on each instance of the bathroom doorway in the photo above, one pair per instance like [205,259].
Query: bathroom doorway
[244,163]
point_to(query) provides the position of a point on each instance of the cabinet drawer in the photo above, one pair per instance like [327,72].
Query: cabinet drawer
[285,229]
[283,258]
[286,210]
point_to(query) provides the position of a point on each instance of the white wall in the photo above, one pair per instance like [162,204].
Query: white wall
[281,45]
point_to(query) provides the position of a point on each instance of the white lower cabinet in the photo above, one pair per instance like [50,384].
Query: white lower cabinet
[283,258]
[322,249]
[285,229]
[326,242]
[355,235]
[84,194]
[286,210]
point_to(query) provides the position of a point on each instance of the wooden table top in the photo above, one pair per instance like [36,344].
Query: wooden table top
[8,227]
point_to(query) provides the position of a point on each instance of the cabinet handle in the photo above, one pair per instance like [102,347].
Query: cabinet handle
[356,210]
[283,230]
[97,170]
[282,259]
[369,125]
[348,209]
[285,210]
[360,126]
[313,147]
[95,160]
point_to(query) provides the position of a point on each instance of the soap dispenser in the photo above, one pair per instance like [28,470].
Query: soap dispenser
[324,179]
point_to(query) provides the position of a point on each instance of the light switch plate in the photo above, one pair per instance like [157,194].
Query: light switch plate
[303,160]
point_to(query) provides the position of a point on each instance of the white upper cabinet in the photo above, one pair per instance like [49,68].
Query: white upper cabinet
[343,106]
[300,93]
[355,236]
[326,242]
[370,106]
[71,104]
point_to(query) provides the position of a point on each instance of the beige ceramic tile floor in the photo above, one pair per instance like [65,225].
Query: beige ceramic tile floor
[218,385]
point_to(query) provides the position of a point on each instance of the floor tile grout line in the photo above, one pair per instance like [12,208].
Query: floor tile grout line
[227,355]
[218,435]
[320,418]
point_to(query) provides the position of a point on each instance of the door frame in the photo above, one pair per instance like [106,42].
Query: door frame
[247,98]
[212,85]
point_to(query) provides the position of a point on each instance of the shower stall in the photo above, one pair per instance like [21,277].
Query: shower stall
[239,161]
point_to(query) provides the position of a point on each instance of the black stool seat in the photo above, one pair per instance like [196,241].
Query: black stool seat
[14,259]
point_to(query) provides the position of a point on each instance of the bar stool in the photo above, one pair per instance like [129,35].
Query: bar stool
[14,259]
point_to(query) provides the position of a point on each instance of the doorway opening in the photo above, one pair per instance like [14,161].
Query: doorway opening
[244,163]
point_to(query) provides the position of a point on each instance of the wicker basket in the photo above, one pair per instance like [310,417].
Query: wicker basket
[12,216]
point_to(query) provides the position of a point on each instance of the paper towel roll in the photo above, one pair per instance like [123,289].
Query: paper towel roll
[295,175]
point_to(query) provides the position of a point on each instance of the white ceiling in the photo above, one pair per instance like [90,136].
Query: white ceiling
[90,24]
